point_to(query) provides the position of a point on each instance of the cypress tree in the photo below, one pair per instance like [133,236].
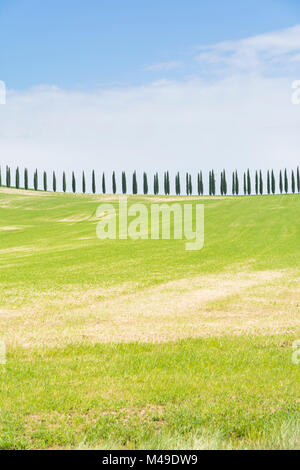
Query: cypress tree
[54,182]
[237,185]
[190,185]
[83,183]
[178,184]
[268,182]
[134,183]
[209,184]
[273,185]
[245,184]
[145,183]
[45,181]
[221,184]
[64,183]
[224,183]
[93,182]
[187,184]
[103,183]
[286,183]
[165,184]
[124,184]
[298,180]
[7,176]
[213,183]
[280,182]
[293,183]
[248,182]
[168,183]
[17,178]
[26,178]
[154,184]
[35,180]
[233,183]
[256,182]
[73,182]
[201,184]
[114,184]
[261,183]
[198,184]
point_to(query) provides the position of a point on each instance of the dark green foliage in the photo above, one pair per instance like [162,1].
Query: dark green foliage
[245,184]
[134,183]
[273,184]
[199,184]
[114,184]
[187,184]
[73,182]
[64,183]
[233,183]
[256,182]
[237,185]
[286,182]
[124,184]
[190,185]
[17,178]
[26,178]
[268,183]
[156,184]
[223,183]
[248,182]
[93,182]
[280,182]
[298,180]
[103,183]
[45,181]
[261,183]
[177,184]
[145,183]
[35,180]
[293,182]
[166,183]
[54,182]
[213,183]
[8,177]
[83,183]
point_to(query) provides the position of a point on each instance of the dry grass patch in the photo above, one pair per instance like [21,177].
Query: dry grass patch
[202,306]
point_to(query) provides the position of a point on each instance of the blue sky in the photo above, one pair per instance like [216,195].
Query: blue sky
[149,85]
[84,44]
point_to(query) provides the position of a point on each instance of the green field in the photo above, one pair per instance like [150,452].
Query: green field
[142,344]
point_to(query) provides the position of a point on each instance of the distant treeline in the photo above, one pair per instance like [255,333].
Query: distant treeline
[269,183]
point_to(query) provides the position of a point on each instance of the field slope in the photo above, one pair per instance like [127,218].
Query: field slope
[142,344]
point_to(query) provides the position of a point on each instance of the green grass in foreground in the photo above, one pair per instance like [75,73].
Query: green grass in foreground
[225,393]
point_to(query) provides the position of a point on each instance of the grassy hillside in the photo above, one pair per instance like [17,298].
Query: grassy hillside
[136,344]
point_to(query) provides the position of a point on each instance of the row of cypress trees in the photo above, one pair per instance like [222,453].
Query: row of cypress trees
[285,184]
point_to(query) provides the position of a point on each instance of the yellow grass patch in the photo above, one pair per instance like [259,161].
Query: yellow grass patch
[202,306]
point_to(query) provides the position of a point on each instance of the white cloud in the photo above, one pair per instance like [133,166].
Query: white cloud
[163,66]
[235,121]
[259,53]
